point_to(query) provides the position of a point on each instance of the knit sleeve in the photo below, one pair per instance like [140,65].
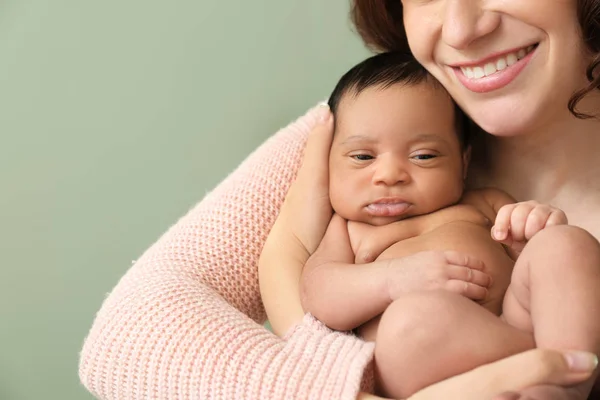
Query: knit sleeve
[185,321]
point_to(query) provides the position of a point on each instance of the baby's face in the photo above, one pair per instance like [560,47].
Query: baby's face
[395,154]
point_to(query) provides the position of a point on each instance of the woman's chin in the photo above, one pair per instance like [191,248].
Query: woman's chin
[503,125]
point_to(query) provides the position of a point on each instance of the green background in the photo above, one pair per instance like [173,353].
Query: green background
[116,116]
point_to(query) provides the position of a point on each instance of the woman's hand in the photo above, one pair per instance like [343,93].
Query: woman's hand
[306,211]
[298,230]
[501,379]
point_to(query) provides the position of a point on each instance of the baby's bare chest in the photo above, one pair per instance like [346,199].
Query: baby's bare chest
[424,232]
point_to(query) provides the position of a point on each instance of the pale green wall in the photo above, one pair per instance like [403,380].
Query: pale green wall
[116,116]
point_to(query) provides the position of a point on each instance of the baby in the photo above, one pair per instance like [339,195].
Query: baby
[398,163]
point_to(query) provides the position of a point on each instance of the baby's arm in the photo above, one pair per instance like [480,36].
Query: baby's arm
[345,295]
[375,241]
[341,294]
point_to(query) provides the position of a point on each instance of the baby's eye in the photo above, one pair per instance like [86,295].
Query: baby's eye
[362,157]
[424,156]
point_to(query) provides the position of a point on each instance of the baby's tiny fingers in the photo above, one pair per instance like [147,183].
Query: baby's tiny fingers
[536,221]
[456,258]
[557,217]
[518,219]
[481,278]
[502,223]
[467,289]
[457,272]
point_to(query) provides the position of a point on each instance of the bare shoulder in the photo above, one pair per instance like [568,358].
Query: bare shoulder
[487,200]
[489,195]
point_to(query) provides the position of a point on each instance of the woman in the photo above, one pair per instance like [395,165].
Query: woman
[174,327]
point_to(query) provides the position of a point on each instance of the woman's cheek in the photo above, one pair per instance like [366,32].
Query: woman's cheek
[420,33]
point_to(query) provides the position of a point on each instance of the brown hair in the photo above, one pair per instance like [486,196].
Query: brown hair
[380,24]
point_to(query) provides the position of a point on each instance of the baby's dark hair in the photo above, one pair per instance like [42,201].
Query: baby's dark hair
[387,69]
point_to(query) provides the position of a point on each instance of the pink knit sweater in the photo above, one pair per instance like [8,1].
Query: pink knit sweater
[185,321]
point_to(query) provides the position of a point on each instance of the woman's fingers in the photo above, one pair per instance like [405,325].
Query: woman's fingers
[316,153]
[508,396]
[307,209]
[511,374]
[535,367]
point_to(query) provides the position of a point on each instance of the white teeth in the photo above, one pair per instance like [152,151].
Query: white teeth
[489,69]
[500,64]
[468,72]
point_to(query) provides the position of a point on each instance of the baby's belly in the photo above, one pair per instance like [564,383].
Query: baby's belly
[466,238]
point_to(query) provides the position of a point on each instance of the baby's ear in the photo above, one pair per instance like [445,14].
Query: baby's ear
[466,156]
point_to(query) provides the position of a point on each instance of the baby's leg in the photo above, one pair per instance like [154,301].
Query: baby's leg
[555,294]
[425,337]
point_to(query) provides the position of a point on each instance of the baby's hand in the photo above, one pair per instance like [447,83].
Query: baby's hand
[517,223]
[438,270]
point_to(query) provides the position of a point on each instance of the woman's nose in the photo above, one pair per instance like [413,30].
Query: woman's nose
[465,21]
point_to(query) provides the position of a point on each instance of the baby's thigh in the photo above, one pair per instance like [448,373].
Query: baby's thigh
[450,326]
[430,336]
[419,318]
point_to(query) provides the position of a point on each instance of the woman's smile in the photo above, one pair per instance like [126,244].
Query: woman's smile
[493,72]
[512,65]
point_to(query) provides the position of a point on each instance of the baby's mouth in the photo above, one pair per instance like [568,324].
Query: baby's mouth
[388,209]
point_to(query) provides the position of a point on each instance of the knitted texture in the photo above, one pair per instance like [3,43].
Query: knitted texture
[185,321]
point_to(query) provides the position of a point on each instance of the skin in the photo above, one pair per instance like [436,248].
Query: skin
[398,143]
[300,227]
[537,149]
[444,33]
[426,168]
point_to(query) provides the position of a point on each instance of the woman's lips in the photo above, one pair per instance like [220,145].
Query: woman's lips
[496,80]
[388,208]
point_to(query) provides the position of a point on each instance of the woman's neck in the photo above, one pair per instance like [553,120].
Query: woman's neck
[557,164]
